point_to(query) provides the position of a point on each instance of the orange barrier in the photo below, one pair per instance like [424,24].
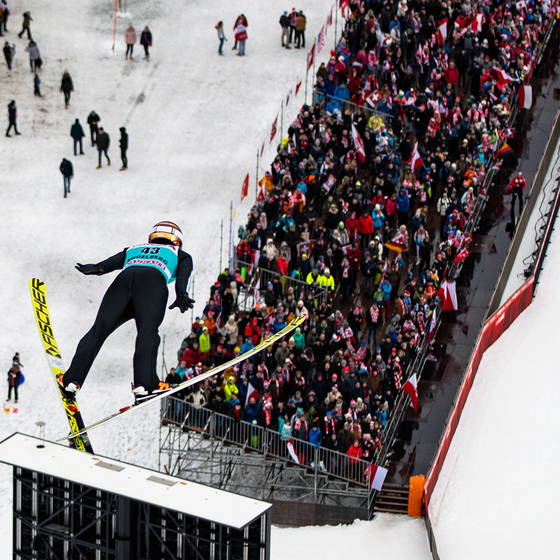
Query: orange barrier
[496,324]
[415,494]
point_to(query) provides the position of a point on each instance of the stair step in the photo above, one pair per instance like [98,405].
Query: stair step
[396,503]
[391,510]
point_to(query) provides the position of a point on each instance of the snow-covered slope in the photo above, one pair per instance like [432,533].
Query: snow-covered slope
[195,122]
[497,492]
[387,536]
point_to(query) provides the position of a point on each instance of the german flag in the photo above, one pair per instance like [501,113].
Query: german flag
[504,150]
[394,246]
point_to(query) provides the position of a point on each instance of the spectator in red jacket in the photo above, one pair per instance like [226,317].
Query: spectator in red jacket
[193,355]
[391,210]
[451,74]
[253,330]
[351,223]
[365,229]
[354,452]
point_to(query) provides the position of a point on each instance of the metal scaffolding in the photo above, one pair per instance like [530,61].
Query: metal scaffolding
[201,445]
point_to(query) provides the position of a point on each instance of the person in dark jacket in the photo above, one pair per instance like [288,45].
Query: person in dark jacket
[102,142]
[9,52]
[93,122]
[14,381]
[26,25]
[146,41]
[140,293]
[123,143]
[285,25]
[37,85]
[67,170]
[12,118]
[66,87]
[5,16]
[77,133]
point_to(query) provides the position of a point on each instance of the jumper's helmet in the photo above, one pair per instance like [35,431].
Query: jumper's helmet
[166,232]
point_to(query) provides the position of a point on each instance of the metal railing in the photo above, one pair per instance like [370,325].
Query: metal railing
[270,443]
[257,278]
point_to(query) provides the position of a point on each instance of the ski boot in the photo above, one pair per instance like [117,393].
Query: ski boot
[70,390]
[141,394]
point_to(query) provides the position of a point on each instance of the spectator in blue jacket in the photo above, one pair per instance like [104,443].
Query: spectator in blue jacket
[247,345]
[403,206]
[315,436]
[252,410]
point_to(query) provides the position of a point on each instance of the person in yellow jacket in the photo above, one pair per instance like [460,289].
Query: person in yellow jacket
[312,277]
[204,341]
[231,391]
[325,280]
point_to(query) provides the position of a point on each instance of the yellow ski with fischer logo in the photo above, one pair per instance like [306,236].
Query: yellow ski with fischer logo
[50,346]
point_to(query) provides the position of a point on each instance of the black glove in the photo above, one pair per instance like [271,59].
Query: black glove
[183,302]
[88,269]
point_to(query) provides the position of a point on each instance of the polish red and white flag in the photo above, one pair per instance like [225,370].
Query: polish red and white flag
[376,476]
[432,327]
[359,144]
[251,393]
[411,389]
[292,451]
[415,160]
[525,97]
[442,31]
[447,292]
[245,187]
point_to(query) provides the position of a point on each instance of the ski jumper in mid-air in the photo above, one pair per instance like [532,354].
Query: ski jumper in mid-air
[139,292]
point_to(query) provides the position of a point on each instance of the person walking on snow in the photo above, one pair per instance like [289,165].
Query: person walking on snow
[77,133]
[14,381]
[5,16]
[146,42]
[37,85]
[93,120]
[34,56]
[67,170]
[139,292]
[241,19]
[301,23]
[9,53]
[241,38]
[130,40]
[293,15]
[102,142]
[26,25]
[123,144]
[219,27]
[12,118]
[285,25]
[66,87]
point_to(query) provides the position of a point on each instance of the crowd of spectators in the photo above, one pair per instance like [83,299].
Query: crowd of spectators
[366,237]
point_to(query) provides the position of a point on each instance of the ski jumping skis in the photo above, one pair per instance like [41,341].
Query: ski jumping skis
[38,289]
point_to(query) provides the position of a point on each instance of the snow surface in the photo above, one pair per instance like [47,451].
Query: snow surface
[497,493]
[387,536]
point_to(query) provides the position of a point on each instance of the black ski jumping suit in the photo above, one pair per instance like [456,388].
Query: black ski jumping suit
[139,293]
